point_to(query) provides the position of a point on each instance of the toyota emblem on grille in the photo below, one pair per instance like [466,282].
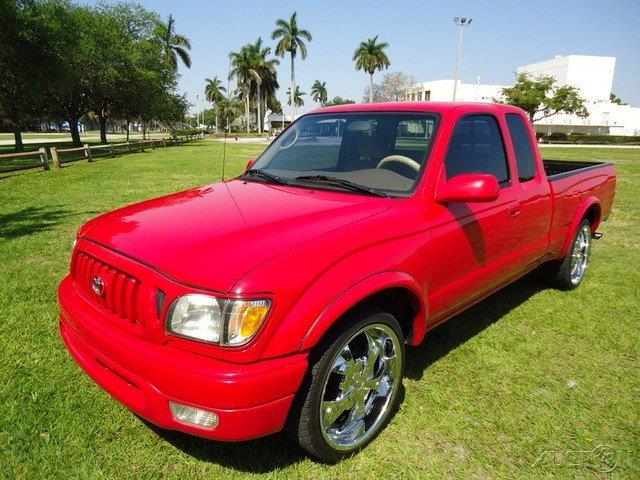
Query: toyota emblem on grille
[97,285]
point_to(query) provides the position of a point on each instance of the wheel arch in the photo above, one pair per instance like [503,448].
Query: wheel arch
[396,292]
[591,210]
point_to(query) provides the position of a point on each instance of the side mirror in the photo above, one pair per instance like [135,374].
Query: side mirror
[250,164]
[468,187]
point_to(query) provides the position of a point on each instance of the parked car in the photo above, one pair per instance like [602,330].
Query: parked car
[285,298]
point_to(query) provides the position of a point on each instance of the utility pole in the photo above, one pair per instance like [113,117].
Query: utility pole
[462,22]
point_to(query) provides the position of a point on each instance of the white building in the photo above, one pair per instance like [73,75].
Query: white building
[442,91]
[591,75]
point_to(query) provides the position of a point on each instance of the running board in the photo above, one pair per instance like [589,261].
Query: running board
[597,236]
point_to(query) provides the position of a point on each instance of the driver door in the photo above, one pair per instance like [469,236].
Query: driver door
[473,243]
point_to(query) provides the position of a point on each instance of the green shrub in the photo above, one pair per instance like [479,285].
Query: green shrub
[558,137]
[582,138]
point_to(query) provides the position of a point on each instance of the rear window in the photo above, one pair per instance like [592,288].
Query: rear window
[525,158]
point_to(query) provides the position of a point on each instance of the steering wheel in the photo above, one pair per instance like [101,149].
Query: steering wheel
[295,134]
[400,159]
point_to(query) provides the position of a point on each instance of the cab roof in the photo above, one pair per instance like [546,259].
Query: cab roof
[433,107]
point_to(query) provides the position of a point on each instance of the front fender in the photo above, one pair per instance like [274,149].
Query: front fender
[360,291]
[577,218]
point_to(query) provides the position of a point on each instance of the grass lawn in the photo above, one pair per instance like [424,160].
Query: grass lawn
[530,383]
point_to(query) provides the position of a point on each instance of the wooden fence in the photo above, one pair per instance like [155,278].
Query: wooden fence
[39,157]
[87,152]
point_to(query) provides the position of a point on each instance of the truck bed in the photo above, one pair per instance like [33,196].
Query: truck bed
[572,183]
[557,169]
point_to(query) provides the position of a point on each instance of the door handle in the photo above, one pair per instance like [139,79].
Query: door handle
[514,211]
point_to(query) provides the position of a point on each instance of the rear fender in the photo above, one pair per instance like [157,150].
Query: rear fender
[577,219]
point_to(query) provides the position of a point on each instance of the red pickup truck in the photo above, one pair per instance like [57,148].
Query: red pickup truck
[284,298]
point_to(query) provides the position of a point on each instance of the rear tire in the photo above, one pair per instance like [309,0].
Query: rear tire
[352,387]
[568,273]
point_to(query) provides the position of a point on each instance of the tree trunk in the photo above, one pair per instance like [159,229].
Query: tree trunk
[531,114]
[293,88]
[246,109]
[17,135]
[75,134]
[144,130]
[371,88]
[217,129]
[128,125]
[103,128]
[259,118]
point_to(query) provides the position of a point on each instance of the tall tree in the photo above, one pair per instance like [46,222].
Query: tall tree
[108,84]
[540,97]
[214,92]
[134,75]
[173,44]
[243,69]
[75,55]
[291,39]
[371,56]
[24,63]
[297,97]
[229,109]
[319,92]
[392,88]
[265,84]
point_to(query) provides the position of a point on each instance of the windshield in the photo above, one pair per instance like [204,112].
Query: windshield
[383,152]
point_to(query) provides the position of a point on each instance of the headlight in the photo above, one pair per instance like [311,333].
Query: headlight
[216,320]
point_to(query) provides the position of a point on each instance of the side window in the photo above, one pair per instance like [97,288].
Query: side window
[477,147]
[522,145]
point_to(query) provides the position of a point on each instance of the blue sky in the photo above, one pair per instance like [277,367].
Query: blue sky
[421,34]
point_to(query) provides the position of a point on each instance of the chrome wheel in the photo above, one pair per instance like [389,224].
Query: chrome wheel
[360,387]
[580,254]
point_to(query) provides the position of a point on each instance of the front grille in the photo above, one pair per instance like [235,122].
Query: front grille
[120,291]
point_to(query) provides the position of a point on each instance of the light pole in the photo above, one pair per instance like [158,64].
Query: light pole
[463,22]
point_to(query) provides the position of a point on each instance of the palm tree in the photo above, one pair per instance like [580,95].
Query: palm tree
[228,108]
[296,97]
[265,83]
[173,44]
[291,40]
[255,74]
[214,92]
[370,56]
[243,70]
[319,92]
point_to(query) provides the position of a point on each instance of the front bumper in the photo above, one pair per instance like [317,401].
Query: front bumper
[251,400]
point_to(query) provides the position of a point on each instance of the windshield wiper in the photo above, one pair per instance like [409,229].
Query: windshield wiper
[256,172]
[354,187]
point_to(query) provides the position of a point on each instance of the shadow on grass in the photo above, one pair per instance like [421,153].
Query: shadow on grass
[276,451]
[255,456]
[30,220]
[464,326]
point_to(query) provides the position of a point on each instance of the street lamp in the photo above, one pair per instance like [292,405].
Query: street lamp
[463,22]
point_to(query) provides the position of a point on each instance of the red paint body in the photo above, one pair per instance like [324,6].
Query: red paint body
[315,254]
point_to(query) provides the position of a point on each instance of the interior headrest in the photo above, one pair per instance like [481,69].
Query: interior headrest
[370,147]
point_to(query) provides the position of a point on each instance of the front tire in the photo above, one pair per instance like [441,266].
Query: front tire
[568,273]
[352,387]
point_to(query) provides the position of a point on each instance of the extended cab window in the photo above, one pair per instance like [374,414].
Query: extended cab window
[522,145]
[381,151]
[477,147]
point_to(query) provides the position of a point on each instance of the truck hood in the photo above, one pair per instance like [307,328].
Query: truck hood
[212,236]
